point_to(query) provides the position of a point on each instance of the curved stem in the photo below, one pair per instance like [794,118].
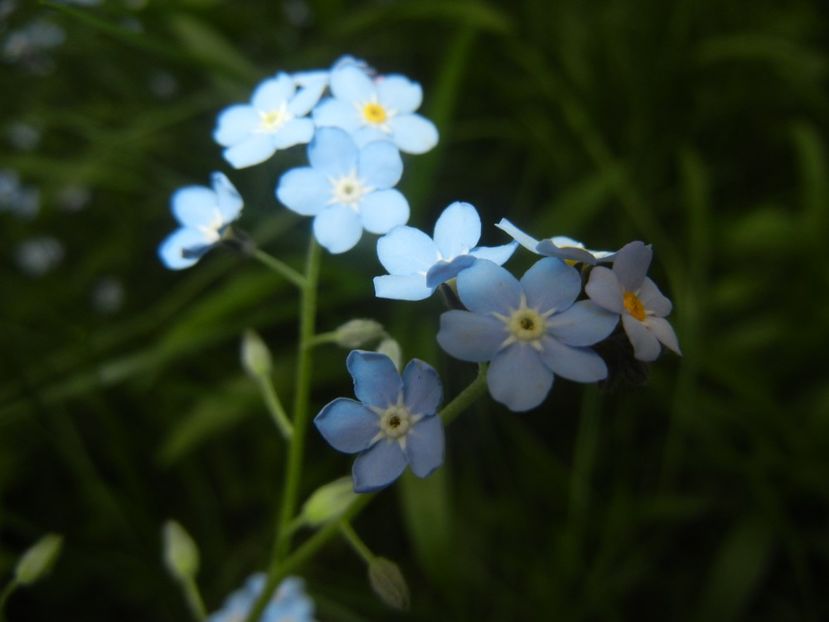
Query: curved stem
[4,596]
[356,541]
[280,267]
[280,417]
[194,599]
[465,398]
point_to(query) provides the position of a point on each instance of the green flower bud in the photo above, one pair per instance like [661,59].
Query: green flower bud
[256,358]
[391,348]
[37,562]
[357,333]
[181,555]
[328,501]
[388,583]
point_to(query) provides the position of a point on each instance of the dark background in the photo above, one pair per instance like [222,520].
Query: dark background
[696,125]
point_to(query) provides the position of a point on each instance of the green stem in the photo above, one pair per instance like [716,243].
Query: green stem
[322,339]
[280,417]
[465,398]
[280,267]
[194,599]
[4,596]
[356,542]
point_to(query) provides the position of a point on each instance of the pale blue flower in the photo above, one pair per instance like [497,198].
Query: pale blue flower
[204,215]
[376,109]
[289,603]
[417,264]
[628,291]
[393,424]
[346,189]
[559,246]
[529,330]
[276,118]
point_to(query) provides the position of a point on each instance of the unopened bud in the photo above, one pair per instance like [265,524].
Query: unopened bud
[388,583]
[39,559]
[181,555]
[391,349]
[357,333]
[328,502]
[256,358]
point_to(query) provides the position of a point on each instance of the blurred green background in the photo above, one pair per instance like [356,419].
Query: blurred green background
[696,125]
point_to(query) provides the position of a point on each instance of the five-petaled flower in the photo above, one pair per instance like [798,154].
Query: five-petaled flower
[346,189]
[204,215]
[393,424]
[276,118]
[529,330]
[289,603]
[559,246]
[377,109]
[628,291]
[417,264]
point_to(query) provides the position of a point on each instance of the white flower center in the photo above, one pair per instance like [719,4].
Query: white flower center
[271,120]
[395,421]
[348,190]
[211,229]
[525,324]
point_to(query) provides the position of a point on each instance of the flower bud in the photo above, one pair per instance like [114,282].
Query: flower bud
[328,501]
[38,560]
[256,358]
[391,348]
[181,555]
[356,333]
[388,583]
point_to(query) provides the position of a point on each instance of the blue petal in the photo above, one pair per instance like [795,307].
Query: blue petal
[422,390]
[413,133]
[304,190]
[487,288]
[335,113]
[229,201]
[496,254]
[519,236]
[425,446]
[402,287]
[234,124]
[518,379]
[338,228]
[253,150]
[399,94]
[442,271]
[644,342]
[272,93]
[605,290]
[653,300]
[308,95]
[370,133]
[583,324]
[469,336]
[347,426]
[378,467]
[173,250]
[351,84]
[457,230]
[663,331]
[379,165]
[631,265]
[577,364]
[551,284]
[383,210]
[574,253]
[406,250]
[376,381]
[194,206]
[294,132]
[333,153]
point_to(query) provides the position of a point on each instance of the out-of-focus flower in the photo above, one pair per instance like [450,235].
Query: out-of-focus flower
[108,295]
[74,197]
[22,136]
[417,264]
[393,424]
[16,198]
[289,604]
[628,291]
[30,42]
[37,256]
[204,216]
[529,330]
[346,189]
[559,246]
[163,84]
[377,109]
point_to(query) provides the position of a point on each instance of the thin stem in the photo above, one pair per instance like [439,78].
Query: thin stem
[280,267]
[323,338]
[356,542]
[465,398]
[280,417]
[194,599]
[4,596]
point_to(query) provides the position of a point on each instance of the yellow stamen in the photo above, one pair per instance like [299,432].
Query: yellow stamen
[375,113]
[634,306]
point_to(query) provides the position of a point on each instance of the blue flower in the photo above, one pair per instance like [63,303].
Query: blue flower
[377,109]
[204,215]
[393,424]
[417,264]
[346,189]
[529,330]
[274,119]
[289,604]
[559,246]
[626,290]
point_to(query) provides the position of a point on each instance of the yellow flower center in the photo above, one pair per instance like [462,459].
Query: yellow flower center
[272,120]
[395,421]
[374,113]
[526,324]
[634,306]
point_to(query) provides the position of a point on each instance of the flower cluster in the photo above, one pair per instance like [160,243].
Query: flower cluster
[288,604]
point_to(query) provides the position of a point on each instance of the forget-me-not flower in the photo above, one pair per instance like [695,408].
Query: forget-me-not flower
[559,246]
[346,189]
[376,109]
[417,264]
[393,424]
[204,215]
[628,291]
[276,118]
[529,330]
[290,603]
